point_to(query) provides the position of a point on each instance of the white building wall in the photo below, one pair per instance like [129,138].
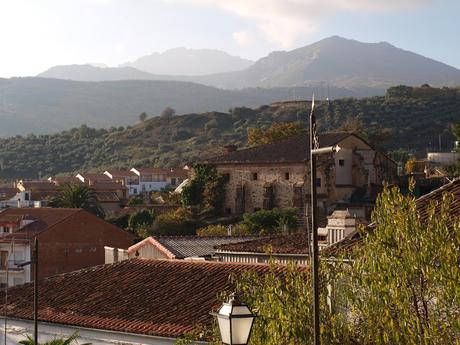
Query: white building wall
[14,275]
[17,329]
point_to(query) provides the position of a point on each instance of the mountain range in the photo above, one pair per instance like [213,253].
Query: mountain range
[332,61]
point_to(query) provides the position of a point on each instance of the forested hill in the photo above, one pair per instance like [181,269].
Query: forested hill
[408,118]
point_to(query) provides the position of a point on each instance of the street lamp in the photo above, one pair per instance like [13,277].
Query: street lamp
[235,321]
[315,151]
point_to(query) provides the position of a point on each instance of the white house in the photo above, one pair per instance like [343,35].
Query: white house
[155,179]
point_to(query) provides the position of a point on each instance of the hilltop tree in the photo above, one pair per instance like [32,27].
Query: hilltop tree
[143,116]
[276,132]
[168,112]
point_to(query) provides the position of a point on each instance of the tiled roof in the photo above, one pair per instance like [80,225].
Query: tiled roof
[103,196]
[180,247]
[164,298]
[6,193]
[280,244]
[174,172]
[43,219]
[40,185]
[120,173]
[107,186]
[423,203]
[292,150]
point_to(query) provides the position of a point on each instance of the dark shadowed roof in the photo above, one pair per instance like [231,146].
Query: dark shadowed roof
[40,219]
[153,297]
[280,244]
[292,150]
[180,247]
[423,205]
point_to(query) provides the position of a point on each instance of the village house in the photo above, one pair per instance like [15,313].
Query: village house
[127,178]
[138,301]
[13,197]
[155,179]
[172,247]
[69,239]
[277,174]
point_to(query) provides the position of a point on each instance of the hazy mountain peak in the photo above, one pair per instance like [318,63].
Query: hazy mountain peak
[189,62]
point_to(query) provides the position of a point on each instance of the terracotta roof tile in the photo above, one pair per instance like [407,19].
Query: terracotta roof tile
[154,297]
[292,150]
[280,244]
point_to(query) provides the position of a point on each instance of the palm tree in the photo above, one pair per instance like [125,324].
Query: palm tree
[78,196]
[57,341]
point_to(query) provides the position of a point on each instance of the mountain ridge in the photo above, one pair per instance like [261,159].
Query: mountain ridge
[333,61]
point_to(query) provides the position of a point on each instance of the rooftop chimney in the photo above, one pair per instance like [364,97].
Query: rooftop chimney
[229,148]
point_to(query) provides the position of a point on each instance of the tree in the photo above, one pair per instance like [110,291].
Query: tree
[143,116]
[405,281]
[204,189]
[276,132]
[168,112]
[271,221]
[176,223]
[140,221]
[78,196]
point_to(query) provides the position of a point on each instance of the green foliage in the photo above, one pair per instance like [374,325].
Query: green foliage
[141,220]
[57,341]
[176,223]
[283,303]
[276,132]
[119,220]
[271,221]
[78,196]
[168,112]
[143,116]
[405,282]
[135,200]
[204,189]
[413,122]
[239,229]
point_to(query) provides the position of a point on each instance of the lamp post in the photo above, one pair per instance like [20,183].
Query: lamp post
[235,321]
[315,150]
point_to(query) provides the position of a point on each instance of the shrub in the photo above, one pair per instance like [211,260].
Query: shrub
[270,221]
[178,222]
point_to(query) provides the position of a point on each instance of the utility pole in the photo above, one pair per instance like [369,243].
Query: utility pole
[35,261]
[314,144]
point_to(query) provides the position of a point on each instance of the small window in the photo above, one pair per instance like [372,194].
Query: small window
[229,211]
[78,250]
[226,176]
[286,176]
[256,209]
[318,182]
[173,181]
[254,176]
[93,249]
[341,162]
[26,196]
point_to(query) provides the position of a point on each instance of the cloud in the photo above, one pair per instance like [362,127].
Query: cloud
[243,38]
[283,21]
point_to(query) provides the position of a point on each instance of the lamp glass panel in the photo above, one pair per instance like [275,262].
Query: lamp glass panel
[224,328]
[241,327]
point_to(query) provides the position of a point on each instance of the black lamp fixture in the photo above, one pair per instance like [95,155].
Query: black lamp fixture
[235,321]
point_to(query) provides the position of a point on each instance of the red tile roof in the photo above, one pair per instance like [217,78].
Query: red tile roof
[6,193]
[164,298]
[43,218]
[174,172]
[279,244]
[292,150]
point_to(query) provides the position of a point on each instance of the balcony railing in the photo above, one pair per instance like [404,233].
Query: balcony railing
[11,265]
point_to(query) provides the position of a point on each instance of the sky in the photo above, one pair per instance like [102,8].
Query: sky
[38,34]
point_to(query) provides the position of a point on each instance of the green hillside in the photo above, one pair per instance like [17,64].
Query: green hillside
[411,119]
